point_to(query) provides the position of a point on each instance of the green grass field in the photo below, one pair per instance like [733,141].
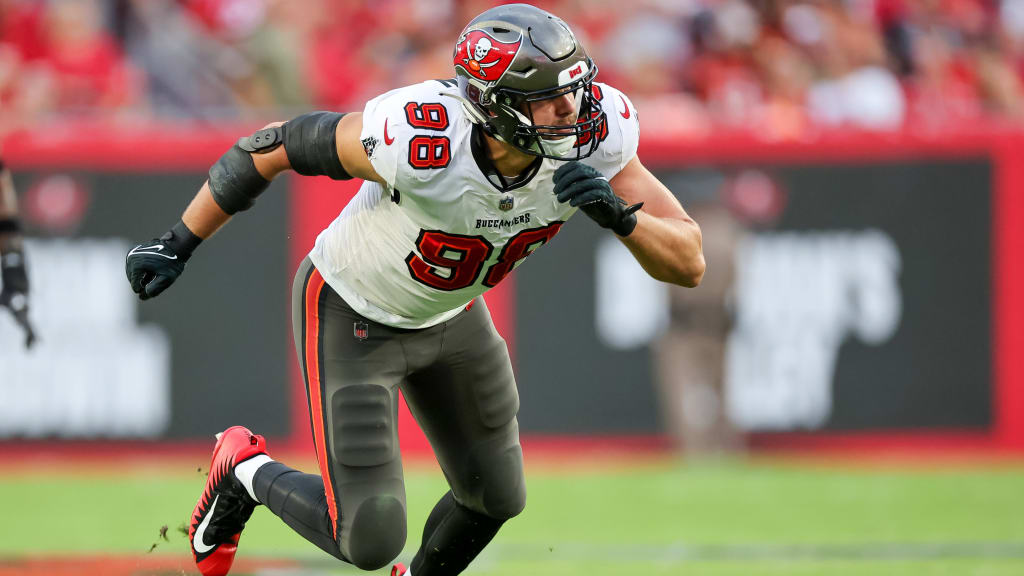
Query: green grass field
[736,518]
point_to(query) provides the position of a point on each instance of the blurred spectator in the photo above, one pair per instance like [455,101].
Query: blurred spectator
[172,49]
[88,68]
[59,58]
[855,89]
[783,70]
[257,46]
[341,70]
[690,358]
[785,74]
[942,86]
[722,73]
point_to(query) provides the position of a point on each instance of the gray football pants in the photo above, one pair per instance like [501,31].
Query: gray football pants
[457,380]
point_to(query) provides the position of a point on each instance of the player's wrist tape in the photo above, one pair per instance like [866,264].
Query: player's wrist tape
[181,240]
[310,141]
[627,223]
[10,226]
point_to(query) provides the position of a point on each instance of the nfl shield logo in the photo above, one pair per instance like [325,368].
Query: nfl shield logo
[361,330]
[505,204]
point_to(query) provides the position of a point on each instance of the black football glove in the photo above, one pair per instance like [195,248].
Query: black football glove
[14,295]
[155,265]
[585,188]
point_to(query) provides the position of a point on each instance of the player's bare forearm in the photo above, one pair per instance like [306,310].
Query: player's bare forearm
[668,249]
[666,241]
[203,216]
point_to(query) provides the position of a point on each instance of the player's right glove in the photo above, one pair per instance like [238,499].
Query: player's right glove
[14,295]
[153,266]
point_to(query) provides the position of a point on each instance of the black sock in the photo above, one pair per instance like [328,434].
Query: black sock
[452,538]
[299,500]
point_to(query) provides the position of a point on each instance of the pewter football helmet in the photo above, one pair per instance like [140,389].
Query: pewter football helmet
[515,54]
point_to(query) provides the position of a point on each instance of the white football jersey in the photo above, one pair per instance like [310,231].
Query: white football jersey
[415,252]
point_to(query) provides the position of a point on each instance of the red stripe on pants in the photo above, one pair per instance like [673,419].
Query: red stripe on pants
[316,411]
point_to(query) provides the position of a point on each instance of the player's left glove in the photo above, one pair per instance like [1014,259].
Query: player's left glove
[585,188]
[14,295]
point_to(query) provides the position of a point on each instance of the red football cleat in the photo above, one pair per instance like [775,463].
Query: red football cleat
[225,505]
[398,569]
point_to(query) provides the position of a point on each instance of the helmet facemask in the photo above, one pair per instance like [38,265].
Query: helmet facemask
[549,140]
[506,115]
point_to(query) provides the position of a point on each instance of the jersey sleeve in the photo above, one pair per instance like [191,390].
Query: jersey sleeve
[619,144]
[407,134]
[384,130]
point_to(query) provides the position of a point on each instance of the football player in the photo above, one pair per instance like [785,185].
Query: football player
[463,179]
[13,278]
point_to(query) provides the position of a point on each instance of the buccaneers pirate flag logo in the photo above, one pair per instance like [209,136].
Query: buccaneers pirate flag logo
[483,57]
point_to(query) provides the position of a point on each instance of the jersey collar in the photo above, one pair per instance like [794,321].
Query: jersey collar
[486,165]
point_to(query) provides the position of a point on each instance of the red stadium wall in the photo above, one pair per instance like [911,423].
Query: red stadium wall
[315,203]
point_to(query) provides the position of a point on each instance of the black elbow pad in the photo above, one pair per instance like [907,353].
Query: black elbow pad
[310,143]
[234,181]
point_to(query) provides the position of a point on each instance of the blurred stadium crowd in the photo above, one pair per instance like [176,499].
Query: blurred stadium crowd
[785,68]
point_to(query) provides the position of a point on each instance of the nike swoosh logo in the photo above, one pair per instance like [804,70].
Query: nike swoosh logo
[197,541]
[625,114]
[387,140]
[138,250]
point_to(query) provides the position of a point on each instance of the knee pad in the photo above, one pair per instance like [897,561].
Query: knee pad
[498,489]
[505,494]
[377,534]
[364,426]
